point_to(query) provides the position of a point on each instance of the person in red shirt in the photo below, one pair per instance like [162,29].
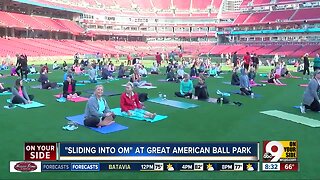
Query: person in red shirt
[246,61]
[131,106]
[128,59]
[158,59]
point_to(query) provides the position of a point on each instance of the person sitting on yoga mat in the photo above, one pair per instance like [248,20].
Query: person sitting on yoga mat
[186,87]
[201,91]
[97,112]
[172,76]
[311,96]
[180,72]
[136,79]
[69,88]
[130,104]
[272,78]
[122,71]
[3,89]
[142,71]
[92,72]
[235,78]
[154,68]
[194,71]
[285,72]
[213,70]
[19,94]
[244,83]
[45,83]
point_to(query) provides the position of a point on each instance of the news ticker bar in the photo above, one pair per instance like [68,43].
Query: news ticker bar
[158,167]
[241,152]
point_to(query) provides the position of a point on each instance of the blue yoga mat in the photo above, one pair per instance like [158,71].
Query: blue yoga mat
[229,83]
[104,130]
[239,92]
[117,111]
[88,82]
[173,103]
[34,104]
[5,93]
[78,84]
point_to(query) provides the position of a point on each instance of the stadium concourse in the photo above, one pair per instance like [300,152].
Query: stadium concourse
[203,71]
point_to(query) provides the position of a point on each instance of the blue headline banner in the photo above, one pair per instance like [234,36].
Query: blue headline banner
[76,150]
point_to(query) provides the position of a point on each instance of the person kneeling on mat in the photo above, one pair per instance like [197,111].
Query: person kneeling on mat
[69,88]
[131,106]
[19,94]
[244,83]
[97,112]
[310,96]
[186,87]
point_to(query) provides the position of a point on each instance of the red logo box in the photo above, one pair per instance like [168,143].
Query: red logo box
[40,151]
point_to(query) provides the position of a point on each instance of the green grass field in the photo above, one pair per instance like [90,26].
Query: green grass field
[206,123]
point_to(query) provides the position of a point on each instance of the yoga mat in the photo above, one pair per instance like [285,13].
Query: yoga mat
[222,93]
[117,111]
[239,92]
[264,81]
[173,103]
[292,117]
[229,83]
[147,87]
[34,104]
[78,99]
[105,93]
[294,77]
[110,80]
[36,87]
[142,87]
[263,75]
[78,84]
[5,93]
[104,130]
[218,77]
[164,80]
[303,85]
[88,82]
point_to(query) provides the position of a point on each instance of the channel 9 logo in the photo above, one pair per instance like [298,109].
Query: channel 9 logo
[280,151]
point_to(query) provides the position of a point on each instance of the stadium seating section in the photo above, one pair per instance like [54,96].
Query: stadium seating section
[49,47]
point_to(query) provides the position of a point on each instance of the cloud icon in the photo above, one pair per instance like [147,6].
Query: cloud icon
[210,169]
[171,169]
[251,169]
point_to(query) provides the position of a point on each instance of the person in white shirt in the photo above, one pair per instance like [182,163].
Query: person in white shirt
[180,72]
[142,71]
[55,66]
[154,69]
[32,69]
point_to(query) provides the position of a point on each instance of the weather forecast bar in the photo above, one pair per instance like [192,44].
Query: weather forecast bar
[156,167]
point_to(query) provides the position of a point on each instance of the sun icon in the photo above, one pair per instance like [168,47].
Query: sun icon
[210,167]
[170,167]
[249,167]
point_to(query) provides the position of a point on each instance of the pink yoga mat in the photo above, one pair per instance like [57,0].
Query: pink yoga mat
[78,99]
[303,85]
